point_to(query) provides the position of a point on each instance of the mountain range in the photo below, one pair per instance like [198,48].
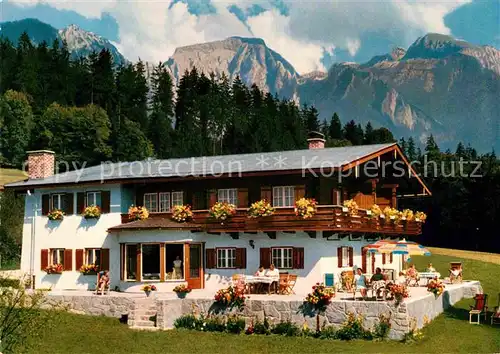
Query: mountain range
[438,85]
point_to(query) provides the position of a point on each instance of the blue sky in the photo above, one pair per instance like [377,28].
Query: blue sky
[310,34]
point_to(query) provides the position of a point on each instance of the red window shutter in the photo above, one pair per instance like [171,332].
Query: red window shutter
[105,201]
[68,203]
[45,204]
[339,256]
[68,259]
[242,197]
[241,258]
[104,259]
[363,258]
[298,258]
[265,257]
[351,256]
[210,258]
[79,259]
[80,202]
[390,258]
[122,261]
[300,192]
[265,193]
[44,259]
[383,258]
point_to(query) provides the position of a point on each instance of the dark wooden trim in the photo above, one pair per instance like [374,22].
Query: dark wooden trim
[271,234]
[234,235]
[312,234]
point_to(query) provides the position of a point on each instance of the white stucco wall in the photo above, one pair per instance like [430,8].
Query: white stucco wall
[73,232]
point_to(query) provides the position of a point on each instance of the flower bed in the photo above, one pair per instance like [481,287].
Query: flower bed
[260,209]
[54,269]
[89,269]
[305,208]
[92,212]
[182,213]
[56,215]
[230,297]
[138,213]
[222,211]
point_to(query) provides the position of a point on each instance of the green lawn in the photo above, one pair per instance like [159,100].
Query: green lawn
[451,332]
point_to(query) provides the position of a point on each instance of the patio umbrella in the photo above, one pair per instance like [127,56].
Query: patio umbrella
[408,248]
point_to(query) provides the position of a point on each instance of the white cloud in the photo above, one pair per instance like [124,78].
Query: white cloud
[353,45]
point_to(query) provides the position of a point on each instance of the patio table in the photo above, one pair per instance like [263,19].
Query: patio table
[253,279]
[429,275]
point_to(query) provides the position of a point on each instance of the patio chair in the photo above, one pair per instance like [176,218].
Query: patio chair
[480,308]
[106,286]
[495,316]
[283,283]
[456,271]
[412,278]
[379,289]
[346,281]
[292,279]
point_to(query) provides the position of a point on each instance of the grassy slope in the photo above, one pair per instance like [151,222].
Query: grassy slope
[10,175]
[451,332]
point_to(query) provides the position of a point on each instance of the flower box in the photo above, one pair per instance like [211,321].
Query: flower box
[89,269]
[55,215]
[92,212]
[221,211]
[260,209]
[137,213]
[54,269]
[305,208]
[182,213]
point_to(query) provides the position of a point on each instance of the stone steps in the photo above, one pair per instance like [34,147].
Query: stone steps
[138,328]
[142,315]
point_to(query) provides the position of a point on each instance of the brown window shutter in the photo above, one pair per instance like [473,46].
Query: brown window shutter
[390,258]
[339,256]
[242,197]
[68,203]
[105,201]
[265,193]
[241,258]
[212,197]
[363,258]
[210,258]
[373,262]
[298,258]
[122,261]
[351,256]
[45,204]
[68,259]
[80,203]
[104,259]
[300,192]
[79,259]
[265,257]
[44,259]
[383,258]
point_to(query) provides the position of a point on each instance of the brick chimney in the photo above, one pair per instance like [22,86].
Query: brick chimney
[316,140]
[41,164]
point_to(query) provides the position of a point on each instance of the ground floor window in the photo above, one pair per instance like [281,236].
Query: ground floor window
[150,261]
[131,261]
[174,264]
[57,256]
[93,256]
[226,257]
[345,256]
[282,258]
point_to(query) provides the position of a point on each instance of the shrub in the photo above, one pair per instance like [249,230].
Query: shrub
[352,329]
[10,283]
[262,327]
[235,324]
[286,328]
[382,327]
[214,324]
[328,332]
[187,321]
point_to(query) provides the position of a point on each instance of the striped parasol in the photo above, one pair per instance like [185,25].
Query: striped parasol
[408,248]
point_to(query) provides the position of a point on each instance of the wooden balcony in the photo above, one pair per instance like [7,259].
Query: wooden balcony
[328,218]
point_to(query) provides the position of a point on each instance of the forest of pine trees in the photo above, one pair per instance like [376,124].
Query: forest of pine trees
[89,111]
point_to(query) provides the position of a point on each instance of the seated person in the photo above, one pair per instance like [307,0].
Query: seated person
[430,268]
[378,275]
[401,278]
[346,281]
[274,273]
[360,282]
[260,272]
[103,282]
[455,273]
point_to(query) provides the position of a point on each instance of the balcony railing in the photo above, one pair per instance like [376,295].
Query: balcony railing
[327,218]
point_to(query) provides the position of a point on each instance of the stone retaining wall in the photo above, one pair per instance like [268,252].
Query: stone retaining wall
[420,310]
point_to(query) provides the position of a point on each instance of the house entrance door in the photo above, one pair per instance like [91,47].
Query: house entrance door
[193,265]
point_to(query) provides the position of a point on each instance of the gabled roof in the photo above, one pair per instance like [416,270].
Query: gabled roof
[338,158]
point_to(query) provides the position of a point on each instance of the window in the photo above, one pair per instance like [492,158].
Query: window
[226,257]
[282,257]
[151,262]
[345,256]
[177,198]
[57,256]
[93,256]
[228,196]
[164,200]
[131,261]
[283,196]
[174,261]
[94,198]
[151,202]
[57,201]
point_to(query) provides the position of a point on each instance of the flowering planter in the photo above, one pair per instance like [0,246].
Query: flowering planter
[181,295]
[91,217]
[148,293]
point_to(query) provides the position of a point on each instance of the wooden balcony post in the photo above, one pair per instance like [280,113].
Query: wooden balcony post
[374,190]
[394,199]
[138,275]
[162,262]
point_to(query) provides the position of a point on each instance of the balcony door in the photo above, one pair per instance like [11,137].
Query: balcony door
[193,263]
